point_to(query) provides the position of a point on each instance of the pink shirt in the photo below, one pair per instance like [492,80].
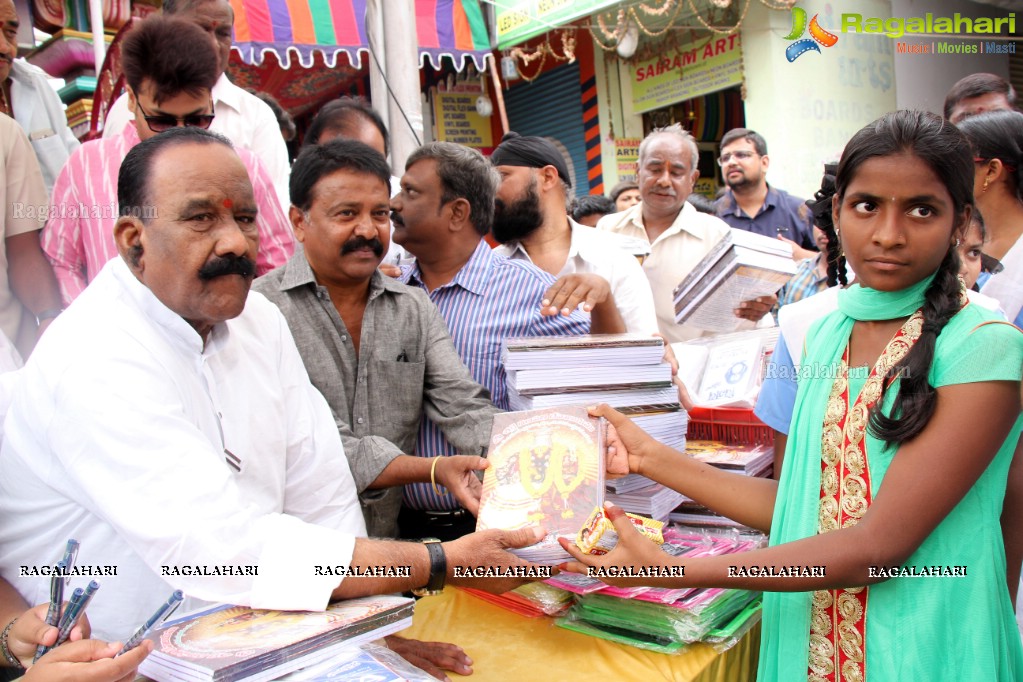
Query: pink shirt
[78,237]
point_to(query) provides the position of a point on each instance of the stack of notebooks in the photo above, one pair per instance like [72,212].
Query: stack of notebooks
[626,371]
[749,460]
[742,266]
[546,469]
[228,643]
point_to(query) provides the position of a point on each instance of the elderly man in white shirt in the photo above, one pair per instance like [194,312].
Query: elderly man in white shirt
[167,423]
[531,223]
[241,117]
[678,234]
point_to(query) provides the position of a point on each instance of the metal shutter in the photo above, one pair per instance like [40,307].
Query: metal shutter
[551,106]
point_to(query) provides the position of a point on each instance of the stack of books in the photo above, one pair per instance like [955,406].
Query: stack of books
[229,643]
[742,266]
[749,460]
[626,371]
[639,495]
[546,469]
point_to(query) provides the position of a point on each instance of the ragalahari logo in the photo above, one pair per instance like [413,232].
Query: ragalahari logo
[817,35]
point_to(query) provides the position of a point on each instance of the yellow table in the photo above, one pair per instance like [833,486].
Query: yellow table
[508,647]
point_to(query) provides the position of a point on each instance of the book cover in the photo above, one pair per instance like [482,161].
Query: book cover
[546,468]
[745,458]
[234,642]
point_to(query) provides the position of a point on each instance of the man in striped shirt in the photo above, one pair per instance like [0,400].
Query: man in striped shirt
[445,207]
[170,66]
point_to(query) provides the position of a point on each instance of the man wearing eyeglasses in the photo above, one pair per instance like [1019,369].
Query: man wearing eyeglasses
[751,204]
[170,66]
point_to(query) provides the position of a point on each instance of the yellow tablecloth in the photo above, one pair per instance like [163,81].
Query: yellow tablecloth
[512,648]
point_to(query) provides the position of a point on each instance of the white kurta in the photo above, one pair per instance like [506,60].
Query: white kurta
[117,436]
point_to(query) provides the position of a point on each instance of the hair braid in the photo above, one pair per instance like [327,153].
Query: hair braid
[820,207]
[916,400]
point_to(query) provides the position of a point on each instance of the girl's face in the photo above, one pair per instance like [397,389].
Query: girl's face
[896,222]
[970,249]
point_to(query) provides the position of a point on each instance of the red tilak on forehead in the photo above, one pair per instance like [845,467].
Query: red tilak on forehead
[228,203]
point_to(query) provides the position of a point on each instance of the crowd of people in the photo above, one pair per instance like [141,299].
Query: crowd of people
[214,359]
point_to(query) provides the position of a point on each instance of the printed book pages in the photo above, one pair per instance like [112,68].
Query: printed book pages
[229,643]
[751,460]
[528,382]
[590,350]
[741,267]
[546,469]
[616,399]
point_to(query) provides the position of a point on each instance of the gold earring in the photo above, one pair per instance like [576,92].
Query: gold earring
[984,188]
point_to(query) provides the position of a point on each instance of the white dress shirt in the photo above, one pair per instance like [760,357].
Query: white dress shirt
[118,436]
[673,255]
[40,113]
[602,254]
[241,117]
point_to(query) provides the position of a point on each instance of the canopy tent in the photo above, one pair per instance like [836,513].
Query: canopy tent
[453,28]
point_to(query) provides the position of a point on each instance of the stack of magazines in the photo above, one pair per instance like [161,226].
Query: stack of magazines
[742,266]
[639,495]
[626,371]
[748,460]
[228,643]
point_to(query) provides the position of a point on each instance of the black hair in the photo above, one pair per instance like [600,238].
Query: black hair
[755,138]
[591,204]
[341,115]
[316,161]
[173,55]
[977,85]
[464,174]
[623,186]
[284,120]
[702,203]
[133,177]
[944,149]
[998,135]
[820,207]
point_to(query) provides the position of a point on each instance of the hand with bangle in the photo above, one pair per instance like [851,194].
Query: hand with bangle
[21,636]
[457,473]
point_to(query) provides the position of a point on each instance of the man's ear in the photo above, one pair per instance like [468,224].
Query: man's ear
[128,236]
[297,218]
[132,101]
[765,161]
[461,214]
[549,178]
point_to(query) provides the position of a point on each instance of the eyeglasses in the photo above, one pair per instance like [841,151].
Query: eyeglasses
[164,122]
[739,156]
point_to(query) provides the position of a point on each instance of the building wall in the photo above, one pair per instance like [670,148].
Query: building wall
[923,79]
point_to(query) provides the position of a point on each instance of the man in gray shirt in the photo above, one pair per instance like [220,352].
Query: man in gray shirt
[378,350]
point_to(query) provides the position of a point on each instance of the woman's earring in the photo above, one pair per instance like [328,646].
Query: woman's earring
[984,187]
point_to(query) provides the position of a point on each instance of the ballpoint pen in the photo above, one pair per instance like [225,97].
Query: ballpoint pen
[76,607]
[57,581]
[70,555]
[162,614]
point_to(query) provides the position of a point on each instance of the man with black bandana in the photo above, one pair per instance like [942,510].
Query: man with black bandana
[531,223]
[378,350]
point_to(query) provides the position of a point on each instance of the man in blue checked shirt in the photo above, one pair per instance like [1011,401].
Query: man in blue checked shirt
[445,207]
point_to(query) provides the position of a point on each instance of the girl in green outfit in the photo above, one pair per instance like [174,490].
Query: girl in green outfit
[906,418]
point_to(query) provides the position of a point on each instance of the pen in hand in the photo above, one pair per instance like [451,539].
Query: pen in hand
[57,581]
[76,607]
[162,614]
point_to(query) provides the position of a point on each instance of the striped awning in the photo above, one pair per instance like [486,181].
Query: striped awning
[453,28]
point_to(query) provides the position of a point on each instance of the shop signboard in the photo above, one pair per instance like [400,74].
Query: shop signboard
[458,121]
[519,21]
[691,70]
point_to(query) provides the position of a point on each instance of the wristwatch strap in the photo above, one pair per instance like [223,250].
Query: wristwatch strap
[438,569]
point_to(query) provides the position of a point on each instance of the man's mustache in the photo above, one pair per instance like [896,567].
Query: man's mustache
[356,243]
[396,218]
[228,265]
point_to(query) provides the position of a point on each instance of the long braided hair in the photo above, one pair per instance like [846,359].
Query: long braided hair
[947,152]
[820,207]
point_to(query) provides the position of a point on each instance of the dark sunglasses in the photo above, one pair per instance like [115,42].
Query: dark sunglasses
[164,122]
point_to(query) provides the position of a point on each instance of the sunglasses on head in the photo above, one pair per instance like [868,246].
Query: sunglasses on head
[163,122]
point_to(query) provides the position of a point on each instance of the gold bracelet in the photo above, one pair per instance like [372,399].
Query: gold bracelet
[433,478]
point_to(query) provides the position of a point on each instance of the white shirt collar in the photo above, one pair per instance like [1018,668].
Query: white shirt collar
[227,93]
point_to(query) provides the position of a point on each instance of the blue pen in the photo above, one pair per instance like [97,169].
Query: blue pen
[57,581]
[70,555]
[75,610]
[162,614]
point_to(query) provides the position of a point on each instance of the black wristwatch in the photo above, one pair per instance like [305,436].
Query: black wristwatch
[438,569]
